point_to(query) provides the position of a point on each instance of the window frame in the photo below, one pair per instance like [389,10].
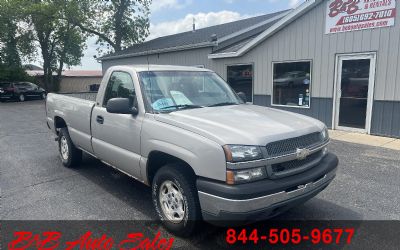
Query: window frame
[252,77]
[272,83]
[108,82]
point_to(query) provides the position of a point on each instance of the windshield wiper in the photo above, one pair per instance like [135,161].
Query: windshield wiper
[223,104]
[181,107]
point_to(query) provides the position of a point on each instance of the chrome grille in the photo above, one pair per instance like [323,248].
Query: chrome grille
[289,146]
[290,166]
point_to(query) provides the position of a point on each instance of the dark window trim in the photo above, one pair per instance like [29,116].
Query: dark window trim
[105,91]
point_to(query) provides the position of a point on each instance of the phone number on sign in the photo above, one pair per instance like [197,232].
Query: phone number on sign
[293,236]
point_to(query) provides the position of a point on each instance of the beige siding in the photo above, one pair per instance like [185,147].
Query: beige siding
[78,84]
[304,39]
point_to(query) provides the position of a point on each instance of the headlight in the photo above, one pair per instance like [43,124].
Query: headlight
[247,175]
[325,134]
[239,153]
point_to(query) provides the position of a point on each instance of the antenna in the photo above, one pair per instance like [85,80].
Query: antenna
[194,24]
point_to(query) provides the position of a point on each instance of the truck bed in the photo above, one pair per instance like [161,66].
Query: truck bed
[75,109]
[90,96]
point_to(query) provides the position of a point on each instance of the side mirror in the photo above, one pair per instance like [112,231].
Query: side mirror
[242,96]
[121,106]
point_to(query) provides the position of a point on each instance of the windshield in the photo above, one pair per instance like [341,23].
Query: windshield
[168,91]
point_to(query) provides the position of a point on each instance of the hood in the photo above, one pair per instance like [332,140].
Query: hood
[242,124]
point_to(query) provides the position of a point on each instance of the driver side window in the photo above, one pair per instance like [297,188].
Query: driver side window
[120,85]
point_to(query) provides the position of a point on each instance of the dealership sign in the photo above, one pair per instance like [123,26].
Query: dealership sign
[351,15]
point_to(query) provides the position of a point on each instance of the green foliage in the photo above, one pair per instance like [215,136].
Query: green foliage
[60,28]
[117,24]
[14,74]
[16,39]
[61,42]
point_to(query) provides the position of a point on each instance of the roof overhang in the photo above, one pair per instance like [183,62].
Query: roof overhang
[198,45]
[243,31]
[163,50]
[293,15]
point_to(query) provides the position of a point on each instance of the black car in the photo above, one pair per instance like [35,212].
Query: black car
[20,91]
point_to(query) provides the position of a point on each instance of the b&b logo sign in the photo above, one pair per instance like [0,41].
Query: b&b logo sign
[351,15]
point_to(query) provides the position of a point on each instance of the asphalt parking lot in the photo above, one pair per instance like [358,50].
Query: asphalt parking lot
[35,186]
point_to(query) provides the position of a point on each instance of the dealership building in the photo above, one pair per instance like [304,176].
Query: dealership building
[337,61]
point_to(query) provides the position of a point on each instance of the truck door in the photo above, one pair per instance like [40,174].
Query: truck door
[116,137]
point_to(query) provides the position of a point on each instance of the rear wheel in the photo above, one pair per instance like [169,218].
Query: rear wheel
[175,199]
[21,97]
[69,154]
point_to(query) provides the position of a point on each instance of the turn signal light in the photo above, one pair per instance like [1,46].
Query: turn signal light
[230,177]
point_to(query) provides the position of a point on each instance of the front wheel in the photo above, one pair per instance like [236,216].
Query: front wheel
[175,199]
[69,154]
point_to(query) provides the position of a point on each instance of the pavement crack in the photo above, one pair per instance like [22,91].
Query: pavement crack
[388,142]
[42,182]
[32,133]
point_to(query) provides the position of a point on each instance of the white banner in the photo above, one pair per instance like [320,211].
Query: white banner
[351,15]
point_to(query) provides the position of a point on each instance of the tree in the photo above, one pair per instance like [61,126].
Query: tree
[116,23]
[15,42]
[15,39]
[42,23]
[60,41]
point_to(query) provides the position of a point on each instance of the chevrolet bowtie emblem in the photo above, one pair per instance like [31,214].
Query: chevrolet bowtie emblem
[302,153]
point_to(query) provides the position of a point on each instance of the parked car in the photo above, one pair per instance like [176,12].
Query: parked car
[204,152]
[291,79]
[20,91]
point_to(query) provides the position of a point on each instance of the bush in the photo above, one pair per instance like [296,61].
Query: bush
[13,74]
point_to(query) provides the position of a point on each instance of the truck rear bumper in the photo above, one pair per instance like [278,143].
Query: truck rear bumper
[266,198]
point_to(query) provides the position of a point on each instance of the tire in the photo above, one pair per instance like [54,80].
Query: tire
[183,182]
[21,97]
[69,154]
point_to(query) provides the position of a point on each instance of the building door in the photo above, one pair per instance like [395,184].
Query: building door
[354,92]
[240,78]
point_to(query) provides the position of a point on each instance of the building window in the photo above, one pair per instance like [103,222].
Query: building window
[292,84]
[240,78]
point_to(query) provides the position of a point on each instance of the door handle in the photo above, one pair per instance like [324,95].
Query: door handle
[100,119]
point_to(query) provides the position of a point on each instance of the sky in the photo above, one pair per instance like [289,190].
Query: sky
[175,16]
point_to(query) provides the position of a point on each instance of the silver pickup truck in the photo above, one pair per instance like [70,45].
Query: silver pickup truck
[205,153]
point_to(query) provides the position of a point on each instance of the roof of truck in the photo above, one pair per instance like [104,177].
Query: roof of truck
[153,67]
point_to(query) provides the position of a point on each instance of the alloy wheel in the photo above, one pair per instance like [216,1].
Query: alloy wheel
[64,150]
[171,201]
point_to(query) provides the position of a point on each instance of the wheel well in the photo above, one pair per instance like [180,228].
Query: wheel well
[158,159]
[59,123]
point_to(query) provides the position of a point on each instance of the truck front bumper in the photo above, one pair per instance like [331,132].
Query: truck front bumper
[266,198]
